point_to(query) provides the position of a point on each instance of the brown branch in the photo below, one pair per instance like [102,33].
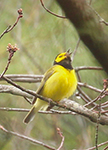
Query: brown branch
[78,76]
[63,17]
[14,109]
[52,111]
[90,2]
[96,99]
[79,109]
[88,99]
[11,49]
[19,87]
[105,148]
[5,31]
[89,87]
[27,100]
[75,50]
[13,90]
[99,113]
[77,69]
[105,104]
[62,141]
[24,78]
[26,138]
[69,105]
[101,19]
[88,68]
[9,28]
[99,145]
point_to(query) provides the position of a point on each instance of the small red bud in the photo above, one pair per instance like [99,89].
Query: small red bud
[20,11]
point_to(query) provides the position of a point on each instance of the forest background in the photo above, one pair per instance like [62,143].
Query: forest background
[40,36]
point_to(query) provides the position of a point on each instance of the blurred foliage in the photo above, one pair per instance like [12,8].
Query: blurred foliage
[40,37]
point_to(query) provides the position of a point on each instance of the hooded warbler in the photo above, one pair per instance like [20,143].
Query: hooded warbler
[59,82]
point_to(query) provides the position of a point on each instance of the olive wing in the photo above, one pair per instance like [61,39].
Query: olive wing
[47,75]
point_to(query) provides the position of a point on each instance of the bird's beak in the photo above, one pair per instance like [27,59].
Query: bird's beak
[68,53]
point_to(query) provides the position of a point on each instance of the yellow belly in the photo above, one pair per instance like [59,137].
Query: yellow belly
[60,85]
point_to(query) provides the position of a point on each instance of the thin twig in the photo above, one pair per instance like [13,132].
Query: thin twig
[104,105]
[24,78]
[52,111]
[105,148]
[11,49]
[51,11]
[78,76]
[89,86]
[99,113]
[96,99]
[75,50]
[19,87]
[92,148]
[97,125]
[90,2]
[88,68]
[14,91]
[9,28]
[104,112]
[26,138]
[5,31]
[83,93]
[101,19]
[62,141]
[27,100]
[14,109]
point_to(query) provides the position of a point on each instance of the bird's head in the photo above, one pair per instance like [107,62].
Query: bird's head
[64,60]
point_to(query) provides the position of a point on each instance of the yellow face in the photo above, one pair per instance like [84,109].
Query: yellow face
[61,57]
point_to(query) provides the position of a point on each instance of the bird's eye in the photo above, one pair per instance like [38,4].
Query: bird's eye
[60,56]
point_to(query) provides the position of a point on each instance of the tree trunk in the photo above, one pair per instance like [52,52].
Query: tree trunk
[93,33]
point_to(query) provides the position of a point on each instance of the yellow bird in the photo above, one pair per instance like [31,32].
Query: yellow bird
[59,82]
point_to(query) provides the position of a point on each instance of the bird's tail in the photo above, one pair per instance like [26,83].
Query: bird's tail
[39,105]
[29,117]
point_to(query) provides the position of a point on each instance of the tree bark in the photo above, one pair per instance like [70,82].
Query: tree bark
[91,31]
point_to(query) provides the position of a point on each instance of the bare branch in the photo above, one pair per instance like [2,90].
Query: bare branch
[79,109]
[101,19]
[24,78]
[13,90]
[11,49]
[19,87]
[61,135]
[92,148]
[88,68]
[87,98]
[9,28]
[27,100]
[52,111]
[26,138]
[75,50]
[90,2]
[99,113]
[68,104]
[96,99]
[89,86]
[105,148]
[51,11]
[14,109]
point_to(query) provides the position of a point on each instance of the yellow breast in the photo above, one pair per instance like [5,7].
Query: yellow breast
[61,84]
